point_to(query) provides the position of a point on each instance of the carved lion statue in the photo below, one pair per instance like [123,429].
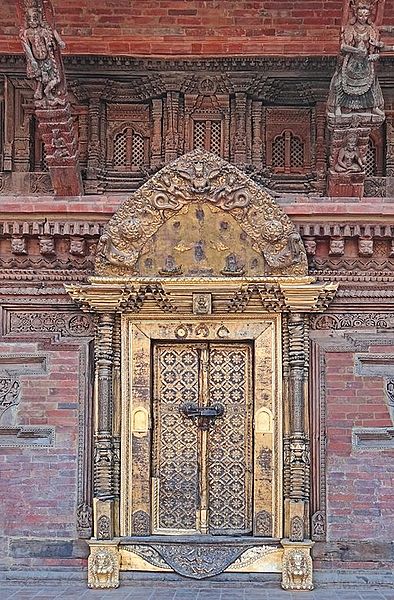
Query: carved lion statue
[103,569]
[297,571]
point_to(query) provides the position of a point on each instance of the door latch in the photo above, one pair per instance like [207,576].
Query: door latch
[204,414]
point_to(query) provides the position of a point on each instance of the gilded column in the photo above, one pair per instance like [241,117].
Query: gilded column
[103,563]
[103,456]
[297,460]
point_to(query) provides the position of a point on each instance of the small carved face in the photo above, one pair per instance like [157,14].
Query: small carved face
[298,564]
[18,245]
[33,18]
[337,247]
[310,247]
[103,563]
[77,246]
[362,15]
[46,245]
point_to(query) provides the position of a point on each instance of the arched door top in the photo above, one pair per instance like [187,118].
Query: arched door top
[201,178]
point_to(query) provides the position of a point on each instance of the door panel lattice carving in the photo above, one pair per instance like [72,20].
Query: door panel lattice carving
[229,441]
[176,439]
[202,466]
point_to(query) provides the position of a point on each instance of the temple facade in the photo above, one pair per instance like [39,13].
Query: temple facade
[197,290]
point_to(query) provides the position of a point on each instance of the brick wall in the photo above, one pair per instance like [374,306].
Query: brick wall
[360,486]
[192,27]
[38,494]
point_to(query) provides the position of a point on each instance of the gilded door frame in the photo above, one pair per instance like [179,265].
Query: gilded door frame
[137,337]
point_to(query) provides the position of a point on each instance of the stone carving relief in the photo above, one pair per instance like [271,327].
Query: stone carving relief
[84,520]
[194,178]
[199,561]
[318,526]
[67,324]
[297,569]
[141,523]
[352,321]
[10,395]
[103,528]
[263,523]
[103,567]
[296,529]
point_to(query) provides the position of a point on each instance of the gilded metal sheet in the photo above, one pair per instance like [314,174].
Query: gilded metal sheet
[230,440]
[175,468]
[139,451]
[202,471]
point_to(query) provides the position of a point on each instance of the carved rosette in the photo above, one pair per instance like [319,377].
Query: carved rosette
[297,568]
[103,565]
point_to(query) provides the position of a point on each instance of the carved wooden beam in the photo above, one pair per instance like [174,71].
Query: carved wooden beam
[355,102]
[42,45]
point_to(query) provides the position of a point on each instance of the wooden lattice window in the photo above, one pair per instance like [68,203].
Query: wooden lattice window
[207,135]
[130,150]
[288,153]
[370,159]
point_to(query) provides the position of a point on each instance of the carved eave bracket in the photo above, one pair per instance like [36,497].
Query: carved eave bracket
[42,45]
[355,103]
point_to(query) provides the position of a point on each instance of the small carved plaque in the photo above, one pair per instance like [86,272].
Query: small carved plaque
[202,304]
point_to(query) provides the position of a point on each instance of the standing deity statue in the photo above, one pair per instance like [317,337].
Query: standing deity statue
[354,87]
[41,44]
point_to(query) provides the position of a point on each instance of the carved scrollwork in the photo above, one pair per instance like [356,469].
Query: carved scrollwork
[200,177]
[199,561]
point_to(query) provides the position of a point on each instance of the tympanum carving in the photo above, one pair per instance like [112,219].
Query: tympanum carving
[200,177]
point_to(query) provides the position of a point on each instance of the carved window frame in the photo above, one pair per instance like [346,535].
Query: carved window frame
[130,130]
[208,119]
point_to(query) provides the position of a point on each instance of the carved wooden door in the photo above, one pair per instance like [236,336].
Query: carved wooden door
[202,446]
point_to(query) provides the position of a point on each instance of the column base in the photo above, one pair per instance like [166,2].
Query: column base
[103,564]
[297,567]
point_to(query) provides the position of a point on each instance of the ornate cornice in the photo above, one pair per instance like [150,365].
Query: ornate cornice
[106,294]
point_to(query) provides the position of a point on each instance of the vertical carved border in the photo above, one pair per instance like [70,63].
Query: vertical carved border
[317,390]
[85,434]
